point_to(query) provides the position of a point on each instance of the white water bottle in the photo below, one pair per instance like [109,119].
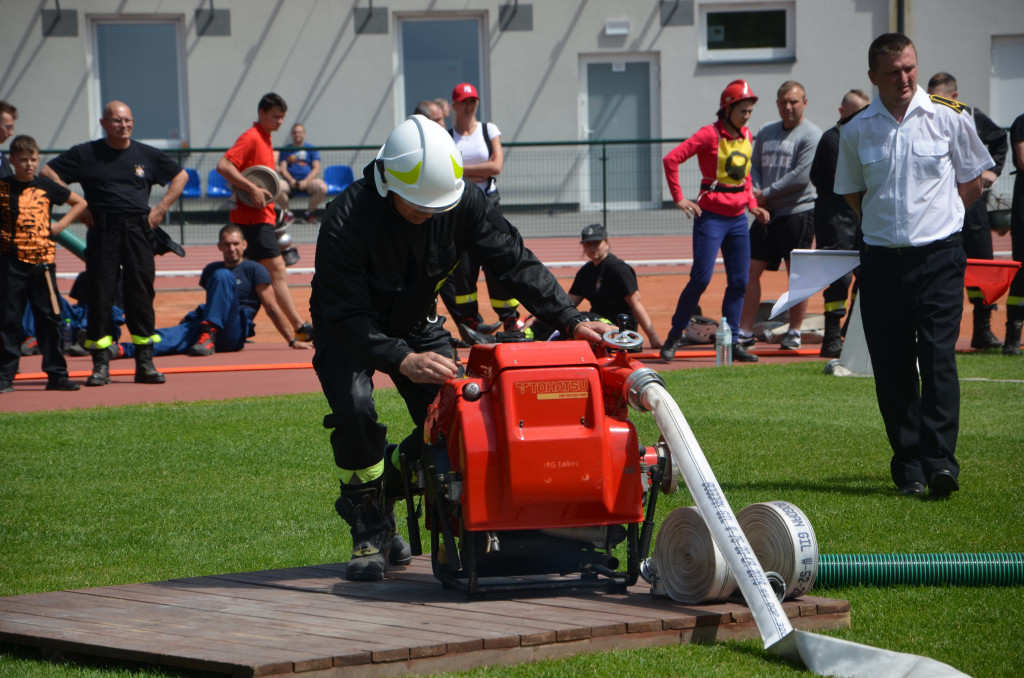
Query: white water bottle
[723,344]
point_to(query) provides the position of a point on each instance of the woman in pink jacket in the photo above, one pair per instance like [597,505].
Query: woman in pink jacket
[723,152]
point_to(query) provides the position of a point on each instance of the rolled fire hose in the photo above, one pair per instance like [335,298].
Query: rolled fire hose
[688,564]
[784,542]
[645,391]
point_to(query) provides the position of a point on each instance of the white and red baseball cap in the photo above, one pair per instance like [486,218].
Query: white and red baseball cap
[464,91]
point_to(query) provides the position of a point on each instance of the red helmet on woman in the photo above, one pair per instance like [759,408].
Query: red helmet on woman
[737,90]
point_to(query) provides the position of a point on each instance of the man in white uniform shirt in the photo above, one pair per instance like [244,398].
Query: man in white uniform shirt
[908,164]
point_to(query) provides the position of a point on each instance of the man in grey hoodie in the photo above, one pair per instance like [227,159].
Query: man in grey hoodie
[780,170]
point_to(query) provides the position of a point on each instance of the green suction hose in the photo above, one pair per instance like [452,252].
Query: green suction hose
[922,569]
[74,243]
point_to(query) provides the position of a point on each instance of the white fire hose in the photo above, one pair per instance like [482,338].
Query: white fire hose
[824,655]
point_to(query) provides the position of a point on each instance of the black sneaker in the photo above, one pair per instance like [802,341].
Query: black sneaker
[6,387]
[205,345]
[740,354]
[31,347]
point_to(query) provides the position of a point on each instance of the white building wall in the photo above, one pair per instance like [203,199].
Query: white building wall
[343,85]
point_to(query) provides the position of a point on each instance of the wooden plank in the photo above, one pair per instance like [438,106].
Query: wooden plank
[135,646]
[308,622]
[484,625]
[171,630]
[359,628]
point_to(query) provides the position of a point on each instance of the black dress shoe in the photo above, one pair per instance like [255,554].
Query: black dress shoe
[913,488]
[942,484]
[62,385]
[740,353]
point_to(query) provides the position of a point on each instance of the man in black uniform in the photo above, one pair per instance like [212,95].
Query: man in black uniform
[385,249]
[835,222]
[1015,299]
[977,233]
[116,175]
[8,114]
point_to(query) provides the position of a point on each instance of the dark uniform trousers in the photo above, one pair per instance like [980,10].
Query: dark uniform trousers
[120,243]
[1015,299]
[912,303]
[977,232]
[359,439]
[21,282]
[459,292]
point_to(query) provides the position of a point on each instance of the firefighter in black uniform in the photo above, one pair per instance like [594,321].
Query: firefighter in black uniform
[977,232]
[385,249]
[116,174]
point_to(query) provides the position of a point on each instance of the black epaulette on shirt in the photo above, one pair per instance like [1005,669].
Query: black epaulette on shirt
[952,103]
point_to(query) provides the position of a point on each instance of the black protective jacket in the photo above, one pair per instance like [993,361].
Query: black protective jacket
[377,276]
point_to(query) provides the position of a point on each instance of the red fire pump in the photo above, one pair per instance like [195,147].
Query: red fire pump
[532,467]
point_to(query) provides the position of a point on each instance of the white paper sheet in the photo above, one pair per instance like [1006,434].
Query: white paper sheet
[811,271]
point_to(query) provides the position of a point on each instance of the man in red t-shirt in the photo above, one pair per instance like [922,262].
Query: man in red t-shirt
[257,220]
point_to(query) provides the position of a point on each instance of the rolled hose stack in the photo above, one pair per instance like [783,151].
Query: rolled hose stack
[693,570]
[920,569]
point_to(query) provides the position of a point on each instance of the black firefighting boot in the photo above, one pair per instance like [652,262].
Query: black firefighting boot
[363,508]
[1011,345]
[982,336]
[832,342]
[100,368]
[394,492]
[145,372]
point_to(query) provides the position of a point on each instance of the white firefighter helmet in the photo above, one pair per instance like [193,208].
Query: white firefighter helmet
[420,163]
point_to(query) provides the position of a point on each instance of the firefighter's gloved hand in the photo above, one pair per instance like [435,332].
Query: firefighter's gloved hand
[428,368]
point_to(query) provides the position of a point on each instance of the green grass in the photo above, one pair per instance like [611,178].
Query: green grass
[144,493]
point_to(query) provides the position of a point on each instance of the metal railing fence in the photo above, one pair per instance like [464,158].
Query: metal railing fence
[548,189]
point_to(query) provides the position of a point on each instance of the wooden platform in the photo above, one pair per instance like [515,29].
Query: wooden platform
[310,622]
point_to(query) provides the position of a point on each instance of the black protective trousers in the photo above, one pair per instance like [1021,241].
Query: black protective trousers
[120,243]
[1015,299]
[359,439]
[836,232]
[911,304]
[462,284]
[20,283]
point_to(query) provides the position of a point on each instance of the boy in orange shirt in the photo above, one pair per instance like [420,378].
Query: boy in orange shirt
[27,272]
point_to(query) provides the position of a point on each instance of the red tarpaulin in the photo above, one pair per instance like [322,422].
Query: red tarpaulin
[991,277]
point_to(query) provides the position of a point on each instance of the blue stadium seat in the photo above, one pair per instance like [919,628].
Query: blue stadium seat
[217,186]
[337,178]
[194,187]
